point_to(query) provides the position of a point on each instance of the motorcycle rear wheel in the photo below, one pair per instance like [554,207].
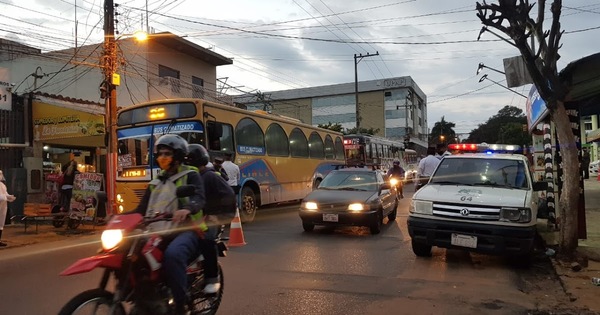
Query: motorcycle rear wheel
[203,303]
[95,301]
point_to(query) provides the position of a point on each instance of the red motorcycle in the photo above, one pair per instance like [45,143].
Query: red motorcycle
[132,255]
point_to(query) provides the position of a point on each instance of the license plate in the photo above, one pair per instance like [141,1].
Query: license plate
[463,240]
[328,217]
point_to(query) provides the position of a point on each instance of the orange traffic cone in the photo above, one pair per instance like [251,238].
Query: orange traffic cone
[236,235]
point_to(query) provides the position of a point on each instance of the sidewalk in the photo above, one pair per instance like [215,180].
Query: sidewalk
[15,236]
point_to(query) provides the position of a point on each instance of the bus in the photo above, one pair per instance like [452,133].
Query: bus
[280,158]
[379,153]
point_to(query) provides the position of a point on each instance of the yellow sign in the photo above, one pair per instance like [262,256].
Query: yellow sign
[55,122]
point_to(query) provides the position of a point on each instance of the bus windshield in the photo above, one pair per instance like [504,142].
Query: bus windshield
[135,145]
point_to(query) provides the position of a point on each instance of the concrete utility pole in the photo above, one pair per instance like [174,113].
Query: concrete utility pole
[111,79]
[357,59]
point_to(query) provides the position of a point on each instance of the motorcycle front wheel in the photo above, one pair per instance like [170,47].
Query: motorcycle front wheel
[203,303]
[95,301]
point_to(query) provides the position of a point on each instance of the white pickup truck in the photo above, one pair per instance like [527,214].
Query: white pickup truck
[479,202]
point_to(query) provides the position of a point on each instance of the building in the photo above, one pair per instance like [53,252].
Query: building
[395,106]
[58,110]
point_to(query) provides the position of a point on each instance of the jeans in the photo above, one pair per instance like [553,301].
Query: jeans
[180,252]
[208,247]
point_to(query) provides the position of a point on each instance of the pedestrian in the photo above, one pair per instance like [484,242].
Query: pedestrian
[232,170]
[66,190]
[427,166]
[218,168]
[5,198]
[585,163]
[442,150]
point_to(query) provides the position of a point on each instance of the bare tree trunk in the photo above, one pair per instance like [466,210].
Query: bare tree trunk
[568,204]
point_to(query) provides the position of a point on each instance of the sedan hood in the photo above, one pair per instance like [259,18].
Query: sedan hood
[480,195]
[324,196]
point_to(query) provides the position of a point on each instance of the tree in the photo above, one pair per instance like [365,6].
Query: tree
[513,19]
[331,126]
[504,127]
[442,132]
[371,131]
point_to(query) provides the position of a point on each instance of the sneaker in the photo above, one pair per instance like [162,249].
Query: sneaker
[212,288]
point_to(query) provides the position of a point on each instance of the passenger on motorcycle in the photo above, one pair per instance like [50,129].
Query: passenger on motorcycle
[220,200]
[397,172]
[183,245]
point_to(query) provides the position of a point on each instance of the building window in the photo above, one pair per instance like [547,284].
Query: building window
[298,143]
[276,141]
[197,87]
[164,75]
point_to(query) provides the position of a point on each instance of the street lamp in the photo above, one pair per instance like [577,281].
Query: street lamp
[481,66]
[485,77]
[442,138]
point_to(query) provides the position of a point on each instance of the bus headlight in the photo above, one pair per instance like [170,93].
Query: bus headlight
[421,207]
[521,215]
[111,239]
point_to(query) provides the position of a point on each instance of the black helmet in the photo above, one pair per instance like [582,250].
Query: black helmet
[197,155]
[173,142]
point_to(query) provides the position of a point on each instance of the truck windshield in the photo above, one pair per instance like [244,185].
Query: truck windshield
[482,172]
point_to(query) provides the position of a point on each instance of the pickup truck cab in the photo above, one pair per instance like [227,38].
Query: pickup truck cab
[482,202]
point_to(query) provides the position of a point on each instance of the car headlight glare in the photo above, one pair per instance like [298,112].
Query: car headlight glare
[111,238]
[421,207]
[310,205]
[357,207]
[521,215]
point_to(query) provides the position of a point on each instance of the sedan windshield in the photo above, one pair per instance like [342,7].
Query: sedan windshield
[481,172]
[349,181]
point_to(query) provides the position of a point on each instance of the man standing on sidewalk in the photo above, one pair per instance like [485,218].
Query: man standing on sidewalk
[5,198]
[585,163]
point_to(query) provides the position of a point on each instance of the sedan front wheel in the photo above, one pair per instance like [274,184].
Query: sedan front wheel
[376,226]
[308,227]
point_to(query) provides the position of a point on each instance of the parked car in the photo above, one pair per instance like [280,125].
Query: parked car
[594,168]
[350,196]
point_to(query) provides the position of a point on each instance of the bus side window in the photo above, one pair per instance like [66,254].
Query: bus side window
[214,131]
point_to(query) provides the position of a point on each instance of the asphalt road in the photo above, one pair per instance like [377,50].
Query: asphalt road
[283,270]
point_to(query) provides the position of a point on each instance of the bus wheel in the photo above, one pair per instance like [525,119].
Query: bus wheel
[248,209]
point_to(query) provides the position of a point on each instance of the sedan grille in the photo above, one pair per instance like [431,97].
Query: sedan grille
[467,212]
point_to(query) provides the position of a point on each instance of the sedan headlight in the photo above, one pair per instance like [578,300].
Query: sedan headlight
[111,239]
[421,207]
[521,215]
[310,206]
[357,206]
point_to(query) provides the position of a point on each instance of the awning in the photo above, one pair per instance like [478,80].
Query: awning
[593,135]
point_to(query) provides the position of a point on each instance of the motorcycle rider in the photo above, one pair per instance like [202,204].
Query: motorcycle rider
[220,199]
[182,245]
[397,172]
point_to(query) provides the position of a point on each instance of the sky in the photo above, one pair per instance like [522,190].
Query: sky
[288,44]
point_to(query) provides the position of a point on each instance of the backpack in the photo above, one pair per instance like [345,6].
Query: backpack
[220,197]
[163,197]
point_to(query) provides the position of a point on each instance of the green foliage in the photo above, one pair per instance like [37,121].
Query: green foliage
[442,132]
[504,127]
[364,131]
[331,126]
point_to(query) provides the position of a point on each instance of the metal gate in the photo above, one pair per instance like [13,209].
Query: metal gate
[12,131]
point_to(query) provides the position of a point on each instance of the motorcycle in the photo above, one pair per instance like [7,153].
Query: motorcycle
[132,255]
[397,184]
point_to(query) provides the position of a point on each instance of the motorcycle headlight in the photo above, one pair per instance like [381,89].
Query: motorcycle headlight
[111,238]
[393,182]
[421,207]
[521,215]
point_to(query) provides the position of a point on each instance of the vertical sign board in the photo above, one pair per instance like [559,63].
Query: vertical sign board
[536,108]
[83,201]
[5,94]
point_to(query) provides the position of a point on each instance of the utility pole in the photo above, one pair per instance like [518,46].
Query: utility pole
[111,79]
[357,59]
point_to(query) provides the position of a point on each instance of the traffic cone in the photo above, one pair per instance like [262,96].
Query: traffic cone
[236,235]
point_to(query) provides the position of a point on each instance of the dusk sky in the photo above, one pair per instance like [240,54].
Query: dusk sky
[283,44]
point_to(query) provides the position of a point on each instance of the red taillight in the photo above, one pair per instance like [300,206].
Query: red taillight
[463,146]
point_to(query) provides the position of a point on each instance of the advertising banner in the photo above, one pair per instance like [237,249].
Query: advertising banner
[83,201]
[536,108]
[55,122]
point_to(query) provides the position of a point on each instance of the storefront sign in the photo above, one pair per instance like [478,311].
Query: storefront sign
[55,122]
[5,90]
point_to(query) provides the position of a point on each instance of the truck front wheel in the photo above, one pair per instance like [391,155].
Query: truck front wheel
[421,249]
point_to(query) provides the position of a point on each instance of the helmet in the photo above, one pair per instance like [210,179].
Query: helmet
[197,155]
[396,162]
[173,142]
